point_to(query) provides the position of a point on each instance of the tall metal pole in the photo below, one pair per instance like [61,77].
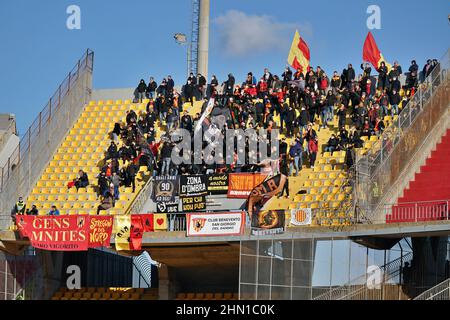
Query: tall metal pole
[203,39]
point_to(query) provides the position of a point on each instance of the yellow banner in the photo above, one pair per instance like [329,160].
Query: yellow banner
[122,227]
[160,221]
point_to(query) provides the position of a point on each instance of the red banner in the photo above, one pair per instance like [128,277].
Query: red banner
[62,233]
[147,222]
[136,233]
[100,229]
[241,184]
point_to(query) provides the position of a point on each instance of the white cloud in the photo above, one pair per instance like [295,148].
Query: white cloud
[241,34]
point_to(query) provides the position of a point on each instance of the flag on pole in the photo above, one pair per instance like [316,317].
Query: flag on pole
[205,114]
[299,56]
[372,54]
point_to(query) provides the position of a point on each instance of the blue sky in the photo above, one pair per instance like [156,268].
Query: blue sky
[134,39]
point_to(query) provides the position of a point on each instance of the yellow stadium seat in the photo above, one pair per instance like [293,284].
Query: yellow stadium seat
[307,184]
[314,205]
[317,183]
[332,175]
[322,176]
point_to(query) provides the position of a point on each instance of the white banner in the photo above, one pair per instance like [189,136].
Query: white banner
[301,217]
[206,113]
[215,224]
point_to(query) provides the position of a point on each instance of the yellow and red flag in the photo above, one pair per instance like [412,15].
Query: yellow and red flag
[372,54]
[299,56]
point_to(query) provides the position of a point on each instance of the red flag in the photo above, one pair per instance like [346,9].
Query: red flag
[100,229]
[136,232]
[147,222]
[372,54]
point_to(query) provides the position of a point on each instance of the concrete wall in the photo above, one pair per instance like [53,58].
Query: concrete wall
[112,94]
[8,149]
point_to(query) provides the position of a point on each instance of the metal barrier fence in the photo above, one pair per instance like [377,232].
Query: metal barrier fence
[357,288]
[45,134]
[439,292]
[380,168]
[436,210]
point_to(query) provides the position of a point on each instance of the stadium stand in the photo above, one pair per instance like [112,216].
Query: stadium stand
[83,148]
[106,294]
[207,296]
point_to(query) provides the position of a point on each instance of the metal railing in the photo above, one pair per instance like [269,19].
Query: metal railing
[438,292]
[345,211]
[417,211]
[358,285]
[389,156]
[390,271]
[144,194]
[45,134]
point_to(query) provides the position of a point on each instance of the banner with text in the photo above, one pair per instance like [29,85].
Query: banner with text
[100,229]
[165,188]
[167,207]
[193,185]
[241,184]
[193,203]
[56,233]
[215,224]
[218,184]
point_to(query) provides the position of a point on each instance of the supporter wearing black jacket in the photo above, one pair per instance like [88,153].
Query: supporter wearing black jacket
[186,122]
[170,84]
[111,153]
[132,171]
[229,85]
[151,88]
[290,117]
[382,76]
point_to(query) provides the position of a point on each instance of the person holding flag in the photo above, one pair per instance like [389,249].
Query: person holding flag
[372,54]
[299,55]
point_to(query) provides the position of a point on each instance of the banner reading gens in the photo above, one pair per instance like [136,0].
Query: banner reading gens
[63,233]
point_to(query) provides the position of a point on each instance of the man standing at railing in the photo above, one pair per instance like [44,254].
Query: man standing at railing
[19,207]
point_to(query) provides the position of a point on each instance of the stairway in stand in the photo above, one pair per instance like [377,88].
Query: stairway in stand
[430,187]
